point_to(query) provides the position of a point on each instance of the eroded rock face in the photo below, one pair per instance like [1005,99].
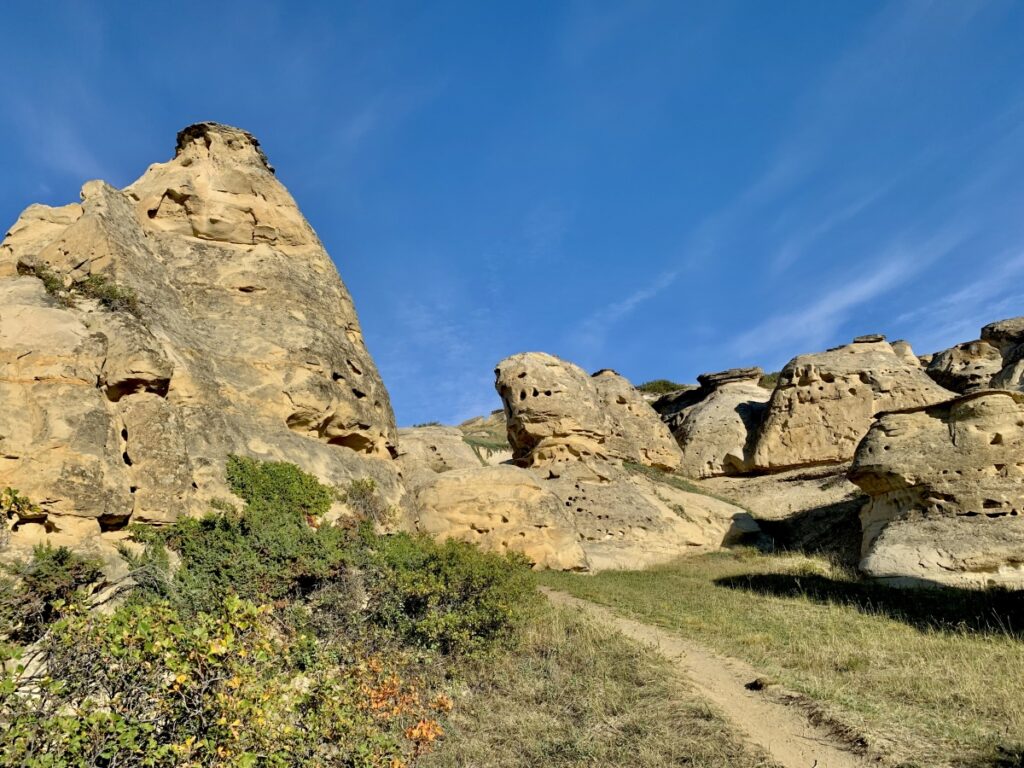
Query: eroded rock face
[240,338]
[824,403]
[558,414]
[501,509]
[946,487]
[715,433]
[966,367]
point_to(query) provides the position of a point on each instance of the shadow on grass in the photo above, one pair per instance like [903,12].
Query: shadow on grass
[992,611]
[832,531]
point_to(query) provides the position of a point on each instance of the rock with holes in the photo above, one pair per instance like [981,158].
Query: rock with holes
[557,414]
[628,518]
[966,367]
[946,487]
[501,509]
[823,404]
[715,433]
[429,451]
[147,333]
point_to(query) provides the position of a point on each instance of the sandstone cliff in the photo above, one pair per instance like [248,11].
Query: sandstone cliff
[146,333]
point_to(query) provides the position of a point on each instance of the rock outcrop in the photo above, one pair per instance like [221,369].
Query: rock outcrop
[715,433]
[995,361]
[501,509]
[147,333]
[824,403]
[557,414]
[946,487]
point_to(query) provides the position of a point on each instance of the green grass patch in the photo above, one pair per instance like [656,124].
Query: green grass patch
[931,678]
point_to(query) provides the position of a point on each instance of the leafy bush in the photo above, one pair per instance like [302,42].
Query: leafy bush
[146,686]
[42,588]
[769,380]
[52,282]
[449,596]
[362,497]
[660,386]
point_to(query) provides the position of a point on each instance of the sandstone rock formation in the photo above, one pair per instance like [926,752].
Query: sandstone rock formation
[502,509]
[824,403]
[966,367]
[946,483]
[147,333]
[715,433]
[556,414]
[995,361]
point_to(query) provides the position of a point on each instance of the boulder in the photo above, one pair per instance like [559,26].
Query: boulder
[558,414]
[148,333]
[824,403]
[905,352]
[429,451]
[966,367]
[715,433]
[946,487]
[501,509]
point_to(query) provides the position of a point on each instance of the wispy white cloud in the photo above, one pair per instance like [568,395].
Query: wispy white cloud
[817,323]
[590,335]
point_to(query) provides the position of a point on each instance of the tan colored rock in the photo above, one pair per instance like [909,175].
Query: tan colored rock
[242,339]
[429,451]
[947,493]
[501,509]
[558,414]
[824,403]
[627,519]
[966,367]
[905,352]
[715,434]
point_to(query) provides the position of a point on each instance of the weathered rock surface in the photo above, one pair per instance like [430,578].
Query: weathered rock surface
[715,433]
[947,492]
[502,509]
[556,414]
[995,361]
[824,403]
[240,338]
[966,367]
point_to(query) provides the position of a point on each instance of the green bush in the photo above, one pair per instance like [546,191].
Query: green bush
[769,380]
[41,589]
[660,386]
[147,686]
[52,282]
[446,596]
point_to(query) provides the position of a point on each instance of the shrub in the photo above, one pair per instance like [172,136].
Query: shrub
[42,588]
[362,497]
[52,282]
[146,686]
[660,386]
[110,295]
[446,596]
[769,380]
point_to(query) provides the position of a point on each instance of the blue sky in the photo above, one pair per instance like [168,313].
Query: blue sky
[660,188]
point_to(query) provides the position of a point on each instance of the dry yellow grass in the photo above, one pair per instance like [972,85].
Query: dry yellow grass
[570,693]
[928,679]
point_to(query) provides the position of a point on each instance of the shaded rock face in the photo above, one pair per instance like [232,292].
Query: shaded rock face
[558,414]
[824,403]
[946,487]
[995,361]
[240,338]
[715,433]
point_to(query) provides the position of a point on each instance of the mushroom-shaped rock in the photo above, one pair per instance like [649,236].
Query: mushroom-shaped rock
[946,487]
[502,509]
[148,333]
[824,403]
[966,367]
[715,434]
[558,414]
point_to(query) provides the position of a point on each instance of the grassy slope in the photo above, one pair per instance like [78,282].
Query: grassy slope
[925,695]
[571,693]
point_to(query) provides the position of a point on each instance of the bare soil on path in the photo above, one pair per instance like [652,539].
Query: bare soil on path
[784,732]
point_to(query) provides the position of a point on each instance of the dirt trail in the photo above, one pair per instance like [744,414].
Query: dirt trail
[783,732]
